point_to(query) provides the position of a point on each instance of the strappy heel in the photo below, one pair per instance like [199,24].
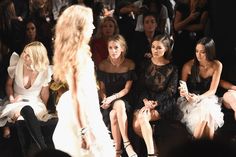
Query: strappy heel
[126,145]
[152,155]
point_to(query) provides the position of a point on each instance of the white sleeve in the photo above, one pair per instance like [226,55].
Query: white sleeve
[12,66]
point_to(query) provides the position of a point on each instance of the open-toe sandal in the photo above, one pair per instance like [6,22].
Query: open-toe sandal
[128,144]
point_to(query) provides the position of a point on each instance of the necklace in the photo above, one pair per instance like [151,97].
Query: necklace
[204,66]
[117,62]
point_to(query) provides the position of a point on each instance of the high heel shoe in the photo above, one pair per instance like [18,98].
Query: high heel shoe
[152,155]
[128,144]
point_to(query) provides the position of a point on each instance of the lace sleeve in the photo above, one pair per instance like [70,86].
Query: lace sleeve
[12,66]
[171,88]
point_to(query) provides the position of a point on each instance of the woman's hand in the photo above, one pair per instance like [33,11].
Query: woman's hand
[183,91]
[86,138]
[193,15]
[106,103]
[13,99]
[192,97]
[150,103]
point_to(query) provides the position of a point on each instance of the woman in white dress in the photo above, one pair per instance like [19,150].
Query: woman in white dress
[198,102]
[27,90]
[80,130]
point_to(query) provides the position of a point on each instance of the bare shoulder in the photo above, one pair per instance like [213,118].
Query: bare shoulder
[217,64]
[130,64]
[102,65]
[188,65]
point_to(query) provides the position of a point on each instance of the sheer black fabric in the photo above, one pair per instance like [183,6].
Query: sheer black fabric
[159,83]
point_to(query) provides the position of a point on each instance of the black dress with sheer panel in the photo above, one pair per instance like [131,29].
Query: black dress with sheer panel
[159,83]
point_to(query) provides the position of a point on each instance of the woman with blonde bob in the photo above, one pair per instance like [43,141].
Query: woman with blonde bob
[80,130]
[27,90]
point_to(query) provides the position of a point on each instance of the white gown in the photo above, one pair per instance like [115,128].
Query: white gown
[15,70]
[66,136]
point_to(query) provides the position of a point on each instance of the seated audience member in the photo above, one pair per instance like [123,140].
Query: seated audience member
[30,35]
[106,28]
[158,87]
[189,25]
[141,44]
[198,102]
[229,97]
[116,75]
[27,88]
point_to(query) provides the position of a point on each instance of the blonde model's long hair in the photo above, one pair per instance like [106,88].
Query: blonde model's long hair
[38,55]
[70,39]
[71,49]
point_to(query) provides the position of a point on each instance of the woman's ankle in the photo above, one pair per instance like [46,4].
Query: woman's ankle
[129,149]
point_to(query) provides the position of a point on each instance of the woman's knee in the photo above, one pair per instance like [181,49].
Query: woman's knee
[26,110]
[113,116]
[119,105]
[229,97]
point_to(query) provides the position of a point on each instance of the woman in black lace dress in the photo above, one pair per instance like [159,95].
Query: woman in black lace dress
[116,75]
[157,92]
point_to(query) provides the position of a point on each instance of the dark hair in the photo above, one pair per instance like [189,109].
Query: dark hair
[167,42]
[209,45]
[149,14]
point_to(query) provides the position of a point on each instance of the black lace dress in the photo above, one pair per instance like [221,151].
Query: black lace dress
[159,83]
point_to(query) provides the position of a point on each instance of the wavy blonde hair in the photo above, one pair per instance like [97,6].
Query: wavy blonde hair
[99,33]
[72,50]
[38,55]
[70,39]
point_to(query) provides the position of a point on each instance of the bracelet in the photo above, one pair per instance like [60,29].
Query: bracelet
[116,95]
[83,131]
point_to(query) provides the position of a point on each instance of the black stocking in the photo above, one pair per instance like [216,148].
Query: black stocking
[33,126]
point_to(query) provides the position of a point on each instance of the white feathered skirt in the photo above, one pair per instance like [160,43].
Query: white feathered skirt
[207,109]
